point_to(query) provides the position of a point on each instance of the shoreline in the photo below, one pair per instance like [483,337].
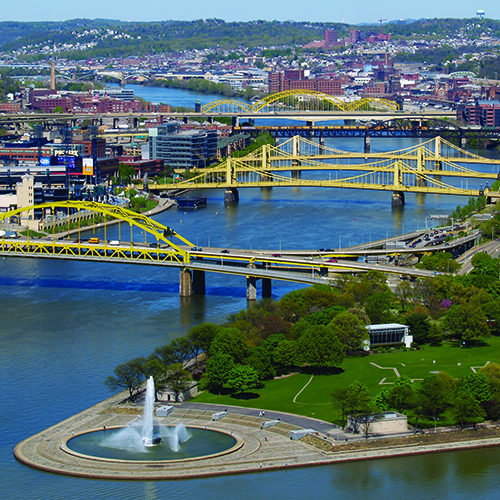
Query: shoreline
[259,449]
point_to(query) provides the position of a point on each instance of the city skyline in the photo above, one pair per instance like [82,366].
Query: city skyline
[280,10]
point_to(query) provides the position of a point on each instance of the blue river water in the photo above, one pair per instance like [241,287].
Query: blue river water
[66,325]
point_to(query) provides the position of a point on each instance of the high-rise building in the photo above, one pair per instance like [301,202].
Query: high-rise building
[182,148]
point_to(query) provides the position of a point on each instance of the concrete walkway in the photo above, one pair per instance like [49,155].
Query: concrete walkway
[256,449]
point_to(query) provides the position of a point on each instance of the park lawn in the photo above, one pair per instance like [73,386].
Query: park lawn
[316,400]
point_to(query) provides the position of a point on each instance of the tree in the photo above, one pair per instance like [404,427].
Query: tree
[219,367]
[339,396]
[181,349]
[128,375]
[419,327]
[477,385]
[287,353]
[350,330]
[201,337]
[358,403]
[366,422]
[260,360]
[436,394]
[153,367]
[378,307]
[126,172]
[404,291]
[320,347]
[466,322]
[400,395]
[165,355]
[241,378]
[466,410]
[231,341]
[178,379]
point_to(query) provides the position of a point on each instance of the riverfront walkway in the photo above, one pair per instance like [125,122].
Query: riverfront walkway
[256,449]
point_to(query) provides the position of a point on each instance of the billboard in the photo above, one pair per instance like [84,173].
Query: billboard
[45,161]
[88,166]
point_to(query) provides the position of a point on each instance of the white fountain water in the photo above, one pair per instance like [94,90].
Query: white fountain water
[143,433]
[147,423]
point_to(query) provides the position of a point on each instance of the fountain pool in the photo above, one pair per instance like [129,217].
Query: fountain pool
[145,439]
[178,443]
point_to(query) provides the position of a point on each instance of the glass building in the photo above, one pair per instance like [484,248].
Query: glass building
[182,148]
[390,333]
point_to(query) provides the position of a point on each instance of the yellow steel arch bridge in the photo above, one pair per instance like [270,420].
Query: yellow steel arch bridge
[299,100]
[38,230]
[418,169]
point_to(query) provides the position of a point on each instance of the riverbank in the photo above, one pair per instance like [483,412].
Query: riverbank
[256,449]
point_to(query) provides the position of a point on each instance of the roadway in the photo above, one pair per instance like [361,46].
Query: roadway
[310,269]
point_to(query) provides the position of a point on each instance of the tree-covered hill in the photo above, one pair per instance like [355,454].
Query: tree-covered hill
[84,38]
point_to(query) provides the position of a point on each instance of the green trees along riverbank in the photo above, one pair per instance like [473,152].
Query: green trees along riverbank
[292,354]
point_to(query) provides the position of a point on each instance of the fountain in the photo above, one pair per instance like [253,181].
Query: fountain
[147,426]
[145,439]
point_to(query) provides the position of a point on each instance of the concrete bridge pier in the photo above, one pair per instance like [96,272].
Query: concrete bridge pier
[191,282]
[463,142]
[398,199]
[367,144]
[251,288]
[231,195]
[296,174]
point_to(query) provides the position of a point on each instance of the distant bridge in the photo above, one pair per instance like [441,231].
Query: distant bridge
[412,170]
[300,100]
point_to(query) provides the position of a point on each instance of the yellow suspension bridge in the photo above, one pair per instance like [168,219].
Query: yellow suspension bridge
[417,169]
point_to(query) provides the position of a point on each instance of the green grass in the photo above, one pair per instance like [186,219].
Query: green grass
[315,401]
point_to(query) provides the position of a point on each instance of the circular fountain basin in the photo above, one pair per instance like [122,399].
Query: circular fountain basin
[122,444]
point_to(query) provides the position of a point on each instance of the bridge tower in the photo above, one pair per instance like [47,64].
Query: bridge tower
[438,165]
[398,196]
[231,194]
[296,174]
[266,162]
[420,181]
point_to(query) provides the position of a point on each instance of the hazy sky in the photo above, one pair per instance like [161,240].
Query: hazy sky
[351,12]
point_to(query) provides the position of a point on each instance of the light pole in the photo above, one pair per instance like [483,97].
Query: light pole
[435,422]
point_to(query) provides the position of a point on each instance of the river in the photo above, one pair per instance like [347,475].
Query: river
[66,325]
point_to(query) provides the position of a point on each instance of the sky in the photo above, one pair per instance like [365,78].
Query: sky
[350,12]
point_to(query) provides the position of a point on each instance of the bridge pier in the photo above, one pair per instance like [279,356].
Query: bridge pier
[398,199]
[266,288]
[191,282]
[231,195]
[296,174]
[251,288]
[185,283]
[367,144]
[321,141]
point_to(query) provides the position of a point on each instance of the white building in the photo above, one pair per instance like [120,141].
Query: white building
[390,333]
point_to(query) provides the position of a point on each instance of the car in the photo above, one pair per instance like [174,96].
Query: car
[197,249]
[332,260]
[224,251]
[276,255]
[308,257]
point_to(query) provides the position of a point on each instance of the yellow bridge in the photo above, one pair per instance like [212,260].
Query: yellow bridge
[417,169]
[53,237]
[299,100]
